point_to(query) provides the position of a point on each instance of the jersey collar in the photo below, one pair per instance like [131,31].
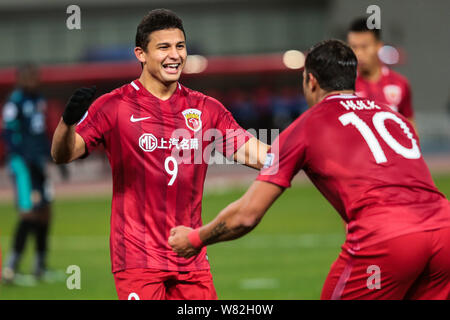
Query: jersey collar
[141,90]
[340,96]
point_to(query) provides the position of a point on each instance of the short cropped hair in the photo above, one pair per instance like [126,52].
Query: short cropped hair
[360,25]
[158,19]
[333,64]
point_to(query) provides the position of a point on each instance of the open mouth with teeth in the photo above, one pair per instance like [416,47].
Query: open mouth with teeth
[171,68]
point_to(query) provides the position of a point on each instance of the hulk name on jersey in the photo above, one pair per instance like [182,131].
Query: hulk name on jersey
[359,105]
[157,151]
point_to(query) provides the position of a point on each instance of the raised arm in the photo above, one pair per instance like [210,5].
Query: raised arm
[67,145]
[237,219]
[252,153]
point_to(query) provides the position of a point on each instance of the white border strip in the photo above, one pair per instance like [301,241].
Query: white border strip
[134,85]
[342,96]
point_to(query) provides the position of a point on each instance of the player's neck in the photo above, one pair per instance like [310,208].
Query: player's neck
[325,94]
[372,75]
[156,87]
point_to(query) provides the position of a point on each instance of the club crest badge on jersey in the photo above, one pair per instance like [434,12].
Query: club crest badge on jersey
[393,94]
[193,119]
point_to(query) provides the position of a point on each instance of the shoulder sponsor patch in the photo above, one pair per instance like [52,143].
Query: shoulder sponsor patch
[269,160]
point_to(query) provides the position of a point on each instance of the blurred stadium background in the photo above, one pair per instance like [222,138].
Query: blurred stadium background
[247,54]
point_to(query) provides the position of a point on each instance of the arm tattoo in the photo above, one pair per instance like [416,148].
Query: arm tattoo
[217,232]
[221,233]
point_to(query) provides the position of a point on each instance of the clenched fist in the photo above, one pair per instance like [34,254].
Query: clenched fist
[180,243]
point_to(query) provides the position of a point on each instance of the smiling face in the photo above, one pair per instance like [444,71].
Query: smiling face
[165,55]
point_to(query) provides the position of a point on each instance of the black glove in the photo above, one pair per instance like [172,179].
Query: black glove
[78,104]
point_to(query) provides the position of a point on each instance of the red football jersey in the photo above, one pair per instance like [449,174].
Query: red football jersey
[392,89]
[366,160]
[158,151]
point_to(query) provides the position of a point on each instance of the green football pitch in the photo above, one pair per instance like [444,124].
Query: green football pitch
[286,257]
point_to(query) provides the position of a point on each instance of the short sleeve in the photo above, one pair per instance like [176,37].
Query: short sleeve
[96,122]
[232,135]
[405,107]
[286,156]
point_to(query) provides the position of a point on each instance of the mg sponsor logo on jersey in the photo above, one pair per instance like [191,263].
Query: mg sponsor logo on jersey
[148,142]
[193,119]
[393,94]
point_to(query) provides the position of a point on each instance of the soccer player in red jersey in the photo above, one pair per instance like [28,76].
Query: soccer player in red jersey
[157,135]
[375,80]
[366,160]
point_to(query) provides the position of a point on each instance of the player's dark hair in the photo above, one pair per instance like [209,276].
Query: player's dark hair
[360,25]
[158,19]
[333,64]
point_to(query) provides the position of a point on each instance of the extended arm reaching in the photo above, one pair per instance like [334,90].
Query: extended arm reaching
[237,219]
[252,153]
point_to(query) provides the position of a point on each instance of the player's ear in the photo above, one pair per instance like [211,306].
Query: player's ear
[312,82]
[140,54]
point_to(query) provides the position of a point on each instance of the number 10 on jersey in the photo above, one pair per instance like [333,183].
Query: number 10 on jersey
[378,121]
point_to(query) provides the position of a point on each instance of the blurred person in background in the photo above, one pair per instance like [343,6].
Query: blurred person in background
[28,151]
[375,80]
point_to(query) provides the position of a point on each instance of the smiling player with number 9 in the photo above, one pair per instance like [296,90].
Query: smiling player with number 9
[145,126]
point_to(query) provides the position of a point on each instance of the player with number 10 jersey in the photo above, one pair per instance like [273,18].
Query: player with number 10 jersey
[365,159]
[373,173]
